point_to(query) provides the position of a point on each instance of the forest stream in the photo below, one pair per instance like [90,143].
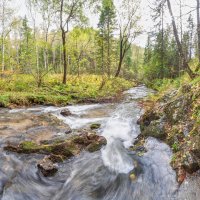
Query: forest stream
[102,175]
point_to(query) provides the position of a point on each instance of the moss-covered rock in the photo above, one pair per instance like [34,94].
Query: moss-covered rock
[63,149]
[56,158]
[190,162]
[95,126]
[81,140]
[155,129]
[29,147]
[174,118]
[95,146]
[177,110]
[149,116]
[138,146]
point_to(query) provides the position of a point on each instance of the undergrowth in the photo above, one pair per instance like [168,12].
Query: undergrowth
[20,89]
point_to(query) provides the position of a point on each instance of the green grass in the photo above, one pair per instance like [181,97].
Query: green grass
[163,86]
[20,89]
[175,147]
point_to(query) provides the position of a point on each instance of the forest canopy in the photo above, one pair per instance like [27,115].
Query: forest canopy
[55,37]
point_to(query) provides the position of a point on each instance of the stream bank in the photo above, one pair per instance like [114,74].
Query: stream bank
[174,118]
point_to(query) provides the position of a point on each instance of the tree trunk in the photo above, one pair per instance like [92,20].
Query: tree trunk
[63,42]
[37,56]
[3,46]
[162,53]
[191,43]
[54,60]
[120,58]
[179,45]
[3,55]
[108,52]
[61,57]
[64,57]
[46,51]
[9,55]
[181,21]
[198,33]
[102,58]
[119,68]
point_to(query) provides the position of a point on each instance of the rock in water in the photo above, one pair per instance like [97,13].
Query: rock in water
[65,113]
[68,131]
[96,145]
[95,126]
[47,167]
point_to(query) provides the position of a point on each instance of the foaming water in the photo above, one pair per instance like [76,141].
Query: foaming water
[122,126]
[120,133]
[103,175]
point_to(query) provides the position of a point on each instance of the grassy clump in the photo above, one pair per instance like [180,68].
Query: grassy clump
[4,100]
[20,89]
[28,145]
[165,86]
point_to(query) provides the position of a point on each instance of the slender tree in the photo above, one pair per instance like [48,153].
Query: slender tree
[128,27]
[198,32]
[33,11]
[191,35]
[45,7]
[6,14]
[179,45]
[70,11]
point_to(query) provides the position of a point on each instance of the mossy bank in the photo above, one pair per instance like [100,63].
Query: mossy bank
[173,115]
[22,90]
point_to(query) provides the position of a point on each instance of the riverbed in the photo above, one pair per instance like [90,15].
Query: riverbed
[102,175]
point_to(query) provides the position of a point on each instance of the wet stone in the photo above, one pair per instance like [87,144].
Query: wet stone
[133,177]
[68,131]
[65,113]
[97,145]
[47,167]
[95,126]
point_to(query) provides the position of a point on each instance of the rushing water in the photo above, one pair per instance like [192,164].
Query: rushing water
[103,175]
